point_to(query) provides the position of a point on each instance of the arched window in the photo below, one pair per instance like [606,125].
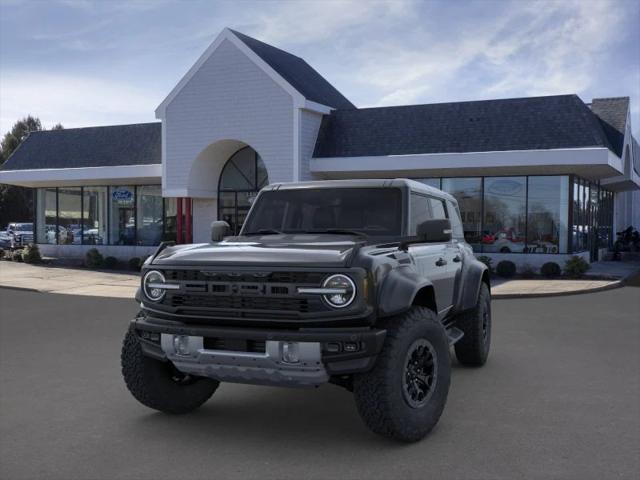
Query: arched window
[242,177]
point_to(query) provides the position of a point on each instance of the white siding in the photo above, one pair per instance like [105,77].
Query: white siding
[205,211]
[309,127]
[229,97]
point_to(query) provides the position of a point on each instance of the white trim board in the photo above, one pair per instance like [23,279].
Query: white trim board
[57,177]
[556,159]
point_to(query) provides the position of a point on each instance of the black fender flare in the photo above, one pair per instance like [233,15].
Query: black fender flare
[473,275]
[400,289]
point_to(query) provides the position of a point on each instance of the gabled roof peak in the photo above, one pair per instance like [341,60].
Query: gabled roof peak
[297,72]
[292,73]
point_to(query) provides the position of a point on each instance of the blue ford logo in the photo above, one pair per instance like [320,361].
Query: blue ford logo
[122,195]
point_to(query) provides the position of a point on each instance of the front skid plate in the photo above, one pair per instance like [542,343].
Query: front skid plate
[266,368]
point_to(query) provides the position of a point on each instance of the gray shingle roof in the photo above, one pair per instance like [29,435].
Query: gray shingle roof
[136,144]
[562,121]
[298,73]
[612,113]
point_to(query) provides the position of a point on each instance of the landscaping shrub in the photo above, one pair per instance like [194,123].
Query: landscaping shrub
[93,258]
[135,263]
[31,254]
[16,256]
[487,261]
[1,253]
[506,268]
[576,266]
[110,262]
[527,271]
[550,269]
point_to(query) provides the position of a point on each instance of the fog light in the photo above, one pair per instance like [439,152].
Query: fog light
[290,352]
[181,344]
[350,347]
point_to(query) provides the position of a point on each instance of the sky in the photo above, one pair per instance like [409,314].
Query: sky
[85,63]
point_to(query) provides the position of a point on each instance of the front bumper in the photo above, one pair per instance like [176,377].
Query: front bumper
[322,352]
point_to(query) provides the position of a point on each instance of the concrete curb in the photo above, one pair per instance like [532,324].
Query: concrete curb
[25,289]
[613,285]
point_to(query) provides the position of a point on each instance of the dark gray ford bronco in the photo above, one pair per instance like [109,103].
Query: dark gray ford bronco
[360,283]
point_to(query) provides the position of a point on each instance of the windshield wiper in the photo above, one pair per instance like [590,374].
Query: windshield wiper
[339,231]
[264,231]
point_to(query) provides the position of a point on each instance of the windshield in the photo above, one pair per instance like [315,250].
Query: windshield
[23,227]
[369,211]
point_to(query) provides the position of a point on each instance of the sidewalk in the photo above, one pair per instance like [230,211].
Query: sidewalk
[78,281]
[69,281]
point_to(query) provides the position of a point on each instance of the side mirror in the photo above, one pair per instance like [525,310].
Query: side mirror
[435,230]
[219,230]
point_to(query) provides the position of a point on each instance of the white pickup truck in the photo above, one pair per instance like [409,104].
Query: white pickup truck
[16,235]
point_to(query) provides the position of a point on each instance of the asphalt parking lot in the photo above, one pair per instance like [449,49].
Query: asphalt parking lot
[559,398]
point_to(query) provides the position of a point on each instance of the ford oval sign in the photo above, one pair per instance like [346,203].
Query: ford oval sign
[505,187]
[122,195]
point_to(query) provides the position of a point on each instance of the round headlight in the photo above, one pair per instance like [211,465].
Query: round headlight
[153,294]
[344,291]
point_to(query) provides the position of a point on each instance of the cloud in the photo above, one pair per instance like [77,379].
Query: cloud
[382,52]
[307,22]
[529,48]
[74,101]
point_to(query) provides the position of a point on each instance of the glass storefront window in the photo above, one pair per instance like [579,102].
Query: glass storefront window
[504,215]
[149,215]
[69,216]
[432,182]
[468,192]
[46,216]
[547,220]
[104,215]
[94,205]
[122,221]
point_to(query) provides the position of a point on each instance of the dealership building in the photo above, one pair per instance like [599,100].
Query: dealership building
[536,178]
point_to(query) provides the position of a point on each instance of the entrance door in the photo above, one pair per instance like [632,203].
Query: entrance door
[242,177]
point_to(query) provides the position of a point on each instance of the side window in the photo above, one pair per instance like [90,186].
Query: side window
[456,223]
[437,207]
[420,211]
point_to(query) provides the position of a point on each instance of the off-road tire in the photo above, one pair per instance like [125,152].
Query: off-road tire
[379,394]
[473,348]
[151,381]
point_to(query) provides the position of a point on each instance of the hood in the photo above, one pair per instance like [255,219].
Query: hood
[268,250]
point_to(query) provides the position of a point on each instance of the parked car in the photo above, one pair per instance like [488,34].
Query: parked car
[353,282]
[17,235]
[504,241]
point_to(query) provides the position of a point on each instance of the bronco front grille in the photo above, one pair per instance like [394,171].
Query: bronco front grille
[240,303]
[227,295]
[262,277]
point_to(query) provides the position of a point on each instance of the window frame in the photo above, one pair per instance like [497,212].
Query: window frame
[109,189]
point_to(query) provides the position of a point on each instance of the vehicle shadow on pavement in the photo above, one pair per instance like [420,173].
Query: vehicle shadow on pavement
[267,415]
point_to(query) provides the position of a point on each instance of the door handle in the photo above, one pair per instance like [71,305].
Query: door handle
[441,262]
[457,258]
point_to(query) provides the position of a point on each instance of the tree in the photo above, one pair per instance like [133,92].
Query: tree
[16,203]
[17,134]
